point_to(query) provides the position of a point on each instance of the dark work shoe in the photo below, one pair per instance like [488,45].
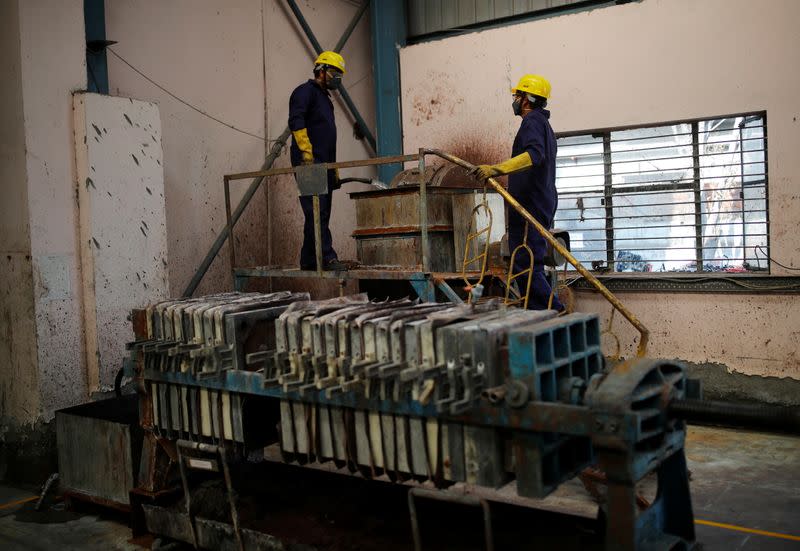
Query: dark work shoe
[308,267]
[335,266]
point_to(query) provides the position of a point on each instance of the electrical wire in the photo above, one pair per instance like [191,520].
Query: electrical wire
[183,101]
[775,261]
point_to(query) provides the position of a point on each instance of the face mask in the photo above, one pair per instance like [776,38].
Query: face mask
[517,107]
[333,81]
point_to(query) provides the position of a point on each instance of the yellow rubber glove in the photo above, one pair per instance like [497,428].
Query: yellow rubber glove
[514,164]
[483,172]
[304,144]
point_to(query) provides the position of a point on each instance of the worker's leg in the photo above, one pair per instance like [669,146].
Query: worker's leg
[325,202]
[307,255]
[540,293]
[540,287]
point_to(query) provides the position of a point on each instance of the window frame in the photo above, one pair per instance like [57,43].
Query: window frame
[694,186]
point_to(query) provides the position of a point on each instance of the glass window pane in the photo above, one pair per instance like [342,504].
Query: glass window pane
[651,155]
[733,191]
[579,180]
[657,201]
[579,164]
[583,216]
[654,233]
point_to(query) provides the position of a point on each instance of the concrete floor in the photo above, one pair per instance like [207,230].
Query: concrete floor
[749,481]
[23,528]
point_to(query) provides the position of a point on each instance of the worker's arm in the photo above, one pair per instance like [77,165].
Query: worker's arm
[532,135]
[298,107]
[514,164]
[304,145]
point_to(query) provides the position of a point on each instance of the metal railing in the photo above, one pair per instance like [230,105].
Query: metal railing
[644,333]
[262,175]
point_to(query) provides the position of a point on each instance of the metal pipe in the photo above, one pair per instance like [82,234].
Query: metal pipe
[223,235]
[644,333]
[51,480]
[342,91]
[317,233]
[351,27]
[341,164]
[228,225]
[423,212]
[447,497]
[755,416]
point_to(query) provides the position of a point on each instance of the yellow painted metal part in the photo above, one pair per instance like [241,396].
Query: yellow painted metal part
[482,257]
[644,333]
[523,297]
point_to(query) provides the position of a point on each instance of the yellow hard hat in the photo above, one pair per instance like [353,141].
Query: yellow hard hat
[331,58]
[533,84]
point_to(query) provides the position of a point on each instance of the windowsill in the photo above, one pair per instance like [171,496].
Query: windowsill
[718,282]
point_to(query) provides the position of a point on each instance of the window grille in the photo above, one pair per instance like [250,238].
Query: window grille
[683,197]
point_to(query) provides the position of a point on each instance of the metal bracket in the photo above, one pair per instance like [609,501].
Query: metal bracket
[448,291]
[206,457]
[424,287]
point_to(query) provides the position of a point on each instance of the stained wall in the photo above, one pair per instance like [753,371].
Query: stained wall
[644,62]
[237,61]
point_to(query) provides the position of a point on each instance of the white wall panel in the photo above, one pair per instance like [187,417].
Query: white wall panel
[122,222]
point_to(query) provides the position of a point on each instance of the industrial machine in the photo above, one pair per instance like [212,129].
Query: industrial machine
[416,392]
[470,393]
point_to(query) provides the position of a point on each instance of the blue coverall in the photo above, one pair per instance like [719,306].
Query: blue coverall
[535,189]
[310,107]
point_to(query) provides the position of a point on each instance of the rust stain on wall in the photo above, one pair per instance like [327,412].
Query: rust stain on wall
[477,146]
[439,97]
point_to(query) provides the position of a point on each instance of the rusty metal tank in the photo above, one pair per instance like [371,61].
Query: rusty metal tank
[388,231]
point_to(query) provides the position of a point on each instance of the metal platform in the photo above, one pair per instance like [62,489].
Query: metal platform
[423,283]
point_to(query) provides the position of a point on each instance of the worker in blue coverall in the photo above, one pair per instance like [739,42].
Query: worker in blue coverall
[313,128]
[532,182]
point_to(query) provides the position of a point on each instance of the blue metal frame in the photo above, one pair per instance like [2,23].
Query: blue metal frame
[423,286]
[94,17]
[388,21]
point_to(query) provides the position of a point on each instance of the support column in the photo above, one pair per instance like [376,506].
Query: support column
[388,22]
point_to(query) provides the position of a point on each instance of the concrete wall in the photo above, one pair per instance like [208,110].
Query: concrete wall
[210,54]
[42,346]
[17,330]
[54,66]
[41,327]
[238,61]
[644,62]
